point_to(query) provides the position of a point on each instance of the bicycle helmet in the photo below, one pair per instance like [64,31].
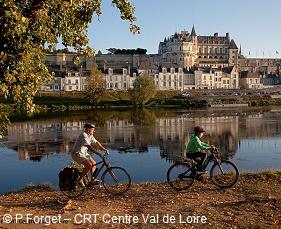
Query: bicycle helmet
[89,125]
[198,129]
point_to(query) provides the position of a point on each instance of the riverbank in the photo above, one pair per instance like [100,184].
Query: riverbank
[254,202]
[76,101]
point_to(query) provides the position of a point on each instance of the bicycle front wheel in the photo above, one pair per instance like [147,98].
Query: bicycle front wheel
[116,180]
[180,176]
[224,174]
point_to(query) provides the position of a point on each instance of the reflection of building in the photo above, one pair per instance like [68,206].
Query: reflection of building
[170,132]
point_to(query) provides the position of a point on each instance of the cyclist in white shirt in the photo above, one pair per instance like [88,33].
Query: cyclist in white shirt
[80,154]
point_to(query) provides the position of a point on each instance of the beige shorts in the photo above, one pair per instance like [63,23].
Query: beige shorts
[79,158]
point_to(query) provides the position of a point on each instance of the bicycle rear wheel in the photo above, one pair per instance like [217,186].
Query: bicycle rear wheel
[116,180]
[180,176]
[224,174]
[74,190]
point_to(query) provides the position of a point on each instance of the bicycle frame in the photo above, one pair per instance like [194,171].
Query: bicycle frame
[104,163]
[209,158]
[213,157]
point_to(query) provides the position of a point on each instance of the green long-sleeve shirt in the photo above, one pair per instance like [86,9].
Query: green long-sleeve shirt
[196,145]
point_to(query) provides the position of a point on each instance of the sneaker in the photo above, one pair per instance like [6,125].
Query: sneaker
[95,182]
[201,171]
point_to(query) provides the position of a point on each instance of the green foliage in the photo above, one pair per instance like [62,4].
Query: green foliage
[129,51]
[28,27]
[4,121]
[95,85]
[144,89]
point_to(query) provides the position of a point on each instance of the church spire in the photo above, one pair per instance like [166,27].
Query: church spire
[193,33]
[240,50]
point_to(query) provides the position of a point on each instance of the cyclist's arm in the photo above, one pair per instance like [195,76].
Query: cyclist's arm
[202,145]
[106,151]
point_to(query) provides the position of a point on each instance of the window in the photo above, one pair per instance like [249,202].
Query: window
[110,71]
[76,74]
[69,81]
[70,87]
[76,81]
[76,87]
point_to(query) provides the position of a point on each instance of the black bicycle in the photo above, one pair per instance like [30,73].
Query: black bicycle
[115,180]
[223,173]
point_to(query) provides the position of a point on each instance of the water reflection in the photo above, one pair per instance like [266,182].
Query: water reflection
[145,142]
[135,131]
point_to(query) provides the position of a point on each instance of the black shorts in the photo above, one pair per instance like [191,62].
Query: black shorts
[195,155]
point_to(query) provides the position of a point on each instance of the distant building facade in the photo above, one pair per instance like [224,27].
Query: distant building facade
[120,79]
[250,80]
[183,79]
[187,49]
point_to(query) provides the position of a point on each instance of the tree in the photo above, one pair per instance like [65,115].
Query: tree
[28,27]
[4,123]
[95,85]
[144,89]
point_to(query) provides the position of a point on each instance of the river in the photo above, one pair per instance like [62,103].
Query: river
[144,142]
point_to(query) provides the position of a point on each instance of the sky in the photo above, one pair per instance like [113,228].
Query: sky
[253,24]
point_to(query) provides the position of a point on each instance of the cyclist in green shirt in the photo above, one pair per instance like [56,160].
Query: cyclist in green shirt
[196,146]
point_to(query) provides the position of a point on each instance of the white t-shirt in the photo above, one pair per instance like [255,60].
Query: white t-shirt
[82,142]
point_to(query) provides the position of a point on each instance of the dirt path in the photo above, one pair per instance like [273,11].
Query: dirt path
[255,202]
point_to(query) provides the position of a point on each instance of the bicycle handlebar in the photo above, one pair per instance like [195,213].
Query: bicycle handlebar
[101,155]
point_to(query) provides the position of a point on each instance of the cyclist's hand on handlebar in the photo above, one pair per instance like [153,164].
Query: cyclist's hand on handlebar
[106,151]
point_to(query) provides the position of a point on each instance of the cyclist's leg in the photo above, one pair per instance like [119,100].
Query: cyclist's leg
[93,167]
[202,156]
[195,155]
[86,168]
[82,160]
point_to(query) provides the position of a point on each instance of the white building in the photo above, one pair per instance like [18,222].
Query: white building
[119,79]
[73,81]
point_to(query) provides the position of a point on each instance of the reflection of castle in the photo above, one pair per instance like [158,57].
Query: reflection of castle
[174,133]
[171,133]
